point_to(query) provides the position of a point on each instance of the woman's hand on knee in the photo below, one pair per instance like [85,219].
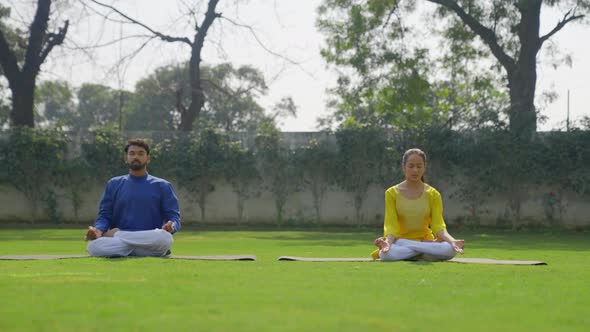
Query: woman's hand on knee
[382,244]
[458,245]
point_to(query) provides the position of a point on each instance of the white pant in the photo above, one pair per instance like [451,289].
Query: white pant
[124,243]
[406,249]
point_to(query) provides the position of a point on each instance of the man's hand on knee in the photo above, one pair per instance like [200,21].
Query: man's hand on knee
[168,227]
[92,234]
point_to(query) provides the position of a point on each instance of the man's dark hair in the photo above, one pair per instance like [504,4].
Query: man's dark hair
[137,142]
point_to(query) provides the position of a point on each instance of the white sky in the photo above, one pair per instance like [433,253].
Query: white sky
[287,27]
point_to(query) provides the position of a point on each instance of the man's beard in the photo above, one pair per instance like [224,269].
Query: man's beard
[136,165]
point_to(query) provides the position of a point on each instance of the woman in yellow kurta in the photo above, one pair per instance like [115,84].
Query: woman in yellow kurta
[414,224]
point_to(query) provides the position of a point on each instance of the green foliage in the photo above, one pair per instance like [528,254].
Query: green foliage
[56,100]
[104,153]
[15,37]
[407,87]
[98,106]
[276,165]
[30,161]
[51,207]
[494,163]
[230,95]
[241,172]
[154,104]
[207,160]
[15,40]
[317,160]
[392,77]
[565,159]
[479,165]
[362,160]
[4,106]
[74,176]
[197,163]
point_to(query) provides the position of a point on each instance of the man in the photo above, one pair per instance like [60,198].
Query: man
[138,212]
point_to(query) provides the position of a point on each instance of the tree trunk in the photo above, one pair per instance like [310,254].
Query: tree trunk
[522,78]
[188,117]
[23,93]
[522,113]
[22,80]
[522,67]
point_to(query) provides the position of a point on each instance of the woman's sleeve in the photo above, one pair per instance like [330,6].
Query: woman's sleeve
[437,222]
[390,225]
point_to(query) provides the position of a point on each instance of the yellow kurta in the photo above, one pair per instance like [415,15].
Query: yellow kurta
[413,219]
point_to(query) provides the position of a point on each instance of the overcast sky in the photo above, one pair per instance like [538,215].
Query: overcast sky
[286,27]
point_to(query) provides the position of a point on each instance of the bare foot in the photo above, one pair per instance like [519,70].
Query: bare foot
[382,244]
[92,234]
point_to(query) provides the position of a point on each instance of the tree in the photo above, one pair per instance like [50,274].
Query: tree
[511,31]
[230,92]
[361,158]
[372,35]
[240,171]
[231,97]
[98,106]
[276,166]
[31,160]
[103,151]
[317,164]
[188,114]
[200,160]
[22,75]
[14,39]
[55,100]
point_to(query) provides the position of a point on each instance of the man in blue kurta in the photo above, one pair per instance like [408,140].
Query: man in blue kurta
[138,212]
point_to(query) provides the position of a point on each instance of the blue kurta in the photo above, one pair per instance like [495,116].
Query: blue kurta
[133,203]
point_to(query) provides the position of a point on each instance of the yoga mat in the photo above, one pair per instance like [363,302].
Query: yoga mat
[333,259]
[494,261]
[216,258]
[206,258]
[454,260]
[39,257]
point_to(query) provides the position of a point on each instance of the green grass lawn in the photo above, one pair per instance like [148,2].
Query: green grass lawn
[152,294]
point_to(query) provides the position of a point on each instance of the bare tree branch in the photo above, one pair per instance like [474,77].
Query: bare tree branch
[487,35]
[228,92]
[191,10]
[131,55]
[392,11]
[253,32]
[110,42]
[53,40]
[566,19]
[134,21]
[35,44]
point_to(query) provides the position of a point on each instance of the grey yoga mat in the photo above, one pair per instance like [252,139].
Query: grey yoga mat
[454,260]
[206,258]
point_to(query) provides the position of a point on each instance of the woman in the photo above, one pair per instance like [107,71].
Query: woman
[414,226]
